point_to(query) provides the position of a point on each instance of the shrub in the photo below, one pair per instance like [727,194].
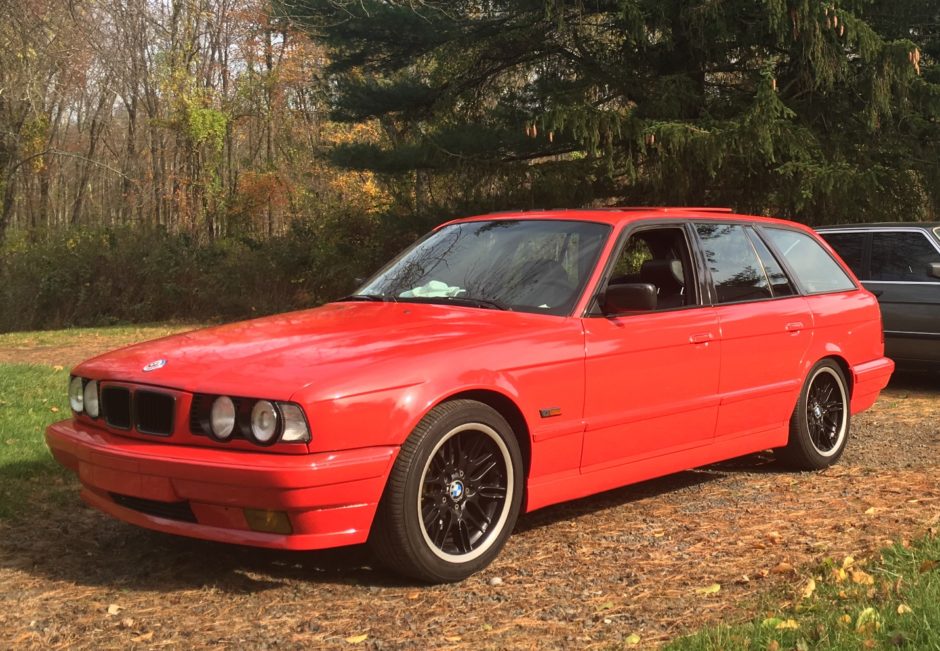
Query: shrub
[120,275]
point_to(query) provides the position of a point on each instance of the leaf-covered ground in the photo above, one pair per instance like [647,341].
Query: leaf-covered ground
[631,567]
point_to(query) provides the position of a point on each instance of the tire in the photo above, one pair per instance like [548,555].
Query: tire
[453,495]
[819,425]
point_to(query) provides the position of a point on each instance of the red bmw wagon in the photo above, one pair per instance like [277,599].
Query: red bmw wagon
[501,364]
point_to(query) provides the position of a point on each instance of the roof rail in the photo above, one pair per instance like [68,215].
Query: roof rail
[670,208]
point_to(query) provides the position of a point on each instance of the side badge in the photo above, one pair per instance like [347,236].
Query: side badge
[154,365]
[550,412]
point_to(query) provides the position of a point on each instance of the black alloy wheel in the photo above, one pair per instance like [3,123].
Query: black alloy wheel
[453,494]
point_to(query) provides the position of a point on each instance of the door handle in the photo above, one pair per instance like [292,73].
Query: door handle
[701,338]
[795,326]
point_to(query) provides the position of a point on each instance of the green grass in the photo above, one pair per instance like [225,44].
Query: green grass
[73,336]
[892,603]
[31,397]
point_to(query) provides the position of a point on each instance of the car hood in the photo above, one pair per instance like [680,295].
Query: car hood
[333,346]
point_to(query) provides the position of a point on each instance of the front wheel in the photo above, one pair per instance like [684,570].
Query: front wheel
[453,495]
[819,425]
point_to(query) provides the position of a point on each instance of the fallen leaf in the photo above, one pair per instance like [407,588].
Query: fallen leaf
[452,638]
[862,578]
[714,588]
[839,574]
[114,609]
[928,565]
[357,639]
[773,645]
[846,619]
[414,595]
[54,410]
[847,562]
[809,589]
[904,609]
[607,605]
[782,568]
[58,368]
[632,640]
[870,510]
[771,622]
[868,620]
[788,625]
[143,638]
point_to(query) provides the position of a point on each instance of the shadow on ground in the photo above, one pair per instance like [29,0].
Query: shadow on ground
[64,540]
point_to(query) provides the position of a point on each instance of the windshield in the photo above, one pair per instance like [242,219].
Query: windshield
[525,265]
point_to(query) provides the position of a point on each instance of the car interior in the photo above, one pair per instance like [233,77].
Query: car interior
[658,257]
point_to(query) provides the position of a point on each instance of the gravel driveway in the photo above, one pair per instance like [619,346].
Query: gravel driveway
[639,561]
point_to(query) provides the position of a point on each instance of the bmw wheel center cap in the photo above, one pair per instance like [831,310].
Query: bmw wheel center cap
[456,490]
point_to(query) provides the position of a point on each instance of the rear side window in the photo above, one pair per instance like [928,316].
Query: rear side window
[902,256]
[736,272]
[813,266]
[779,282]
[850,247]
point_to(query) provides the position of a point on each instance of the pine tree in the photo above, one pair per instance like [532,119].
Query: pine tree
[820,111]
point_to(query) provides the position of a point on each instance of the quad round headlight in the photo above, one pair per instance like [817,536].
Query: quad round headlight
[76,395]
[222,417]
[90,398]
[264,421]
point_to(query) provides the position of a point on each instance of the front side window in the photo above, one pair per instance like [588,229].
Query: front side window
[813,266]
[851,248]
[659,257]
[904,256]
[736,271]
[527,265]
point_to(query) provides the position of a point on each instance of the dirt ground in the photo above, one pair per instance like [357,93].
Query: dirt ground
[641,560]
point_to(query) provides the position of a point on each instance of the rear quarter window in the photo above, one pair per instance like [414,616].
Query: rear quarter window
[814,267]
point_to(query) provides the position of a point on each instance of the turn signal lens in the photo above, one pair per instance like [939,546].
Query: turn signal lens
[76,395]
[90,398]
[295,426]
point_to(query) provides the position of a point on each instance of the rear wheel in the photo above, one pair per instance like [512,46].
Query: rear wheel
[453,495]
[819,425]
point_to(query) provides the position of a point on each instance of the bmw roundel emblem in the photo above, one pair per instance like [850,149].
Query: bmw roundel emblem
[154,365]
[456,489]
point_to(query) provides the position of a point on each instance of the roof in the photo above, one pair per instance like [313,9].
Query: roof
[619,215]
[848,227]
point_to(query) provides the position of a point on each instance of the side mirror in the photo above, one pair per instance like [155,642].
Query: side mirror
[933,269]
[628,297]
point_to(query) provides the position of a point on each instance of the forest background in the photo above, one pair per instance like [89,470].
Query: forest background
[217,159]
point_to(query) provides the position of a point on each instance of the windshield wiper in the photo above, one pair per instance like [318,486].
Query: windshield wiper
[366,297]
[472,301]
[491,303]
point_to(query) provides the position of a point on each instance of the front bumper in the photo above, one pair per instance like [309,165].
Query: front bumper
[330,498]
